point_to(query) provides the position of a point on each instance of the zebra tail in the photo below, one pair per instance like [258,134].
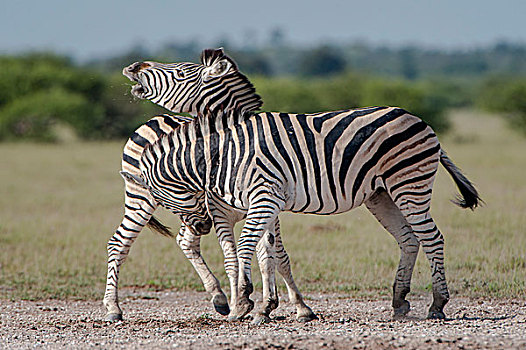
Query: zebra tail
[470,197]
[156,225]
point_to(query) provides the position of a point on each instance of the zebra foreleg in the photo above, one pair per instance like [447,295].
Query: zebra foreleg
[391,218]
[303,312]
[265,250]
[224,221]
[190,245]
[136,216]
[261,217]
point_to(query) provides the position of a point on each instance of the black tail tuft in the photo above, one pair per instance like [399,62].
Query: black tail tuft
[470,197]
[156,225]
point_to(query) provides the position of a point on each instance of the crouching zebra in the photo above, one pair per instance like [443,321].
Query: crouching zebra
[140,206]
[323,163]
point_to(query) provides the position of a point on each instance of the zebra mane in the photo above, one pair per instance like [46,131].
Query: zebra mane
[221,120]
[241,94]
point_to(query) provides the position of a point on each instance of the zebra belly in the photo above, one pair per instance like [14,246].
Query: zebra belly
[324,203]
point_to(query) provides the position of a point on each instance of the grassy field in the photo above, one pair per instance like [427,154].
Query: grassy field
[61,203]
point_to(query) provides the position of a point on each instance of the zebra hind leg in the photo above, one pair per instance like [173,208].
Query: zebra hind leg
[391,218]
[416,212]
[135,218]
[191,247]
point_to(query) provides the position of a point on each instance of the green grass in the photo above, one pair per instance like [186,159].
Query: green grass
[61,203]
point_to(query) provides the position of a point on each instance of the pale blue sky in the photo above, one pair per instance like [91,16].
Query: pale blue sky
[95,28]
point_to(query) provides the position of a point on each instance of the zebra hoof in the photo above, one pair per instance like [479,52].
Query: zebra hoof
[221,304]
[305,314]
[402,310]
[259,319]
[243,307]
[307,318]
[114,317]
[436,315]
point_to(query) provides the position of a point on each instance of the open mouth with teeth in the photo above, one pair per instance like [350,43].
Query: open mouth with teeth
[138,91]
[131,72]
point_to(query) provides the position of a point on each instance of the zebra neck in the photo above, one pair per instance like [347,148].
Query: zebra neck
[235,95]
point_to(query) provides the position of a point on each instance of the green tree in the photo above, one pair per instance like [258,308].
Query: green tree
[321,61]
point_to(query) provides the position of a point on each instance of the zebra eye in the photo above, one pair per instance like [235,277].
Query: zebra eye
[180,73]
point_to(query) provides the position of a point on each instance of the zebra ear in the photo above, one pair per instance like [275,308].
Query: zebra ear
[211,56]
[216,63]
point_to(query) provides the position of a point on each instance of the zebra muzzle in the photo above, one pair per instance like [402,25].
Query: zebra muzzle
[203,227]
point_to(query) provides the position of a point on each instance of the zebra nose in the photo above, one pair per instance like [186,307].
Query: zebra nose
[203,227]
[134,67]
[207,225]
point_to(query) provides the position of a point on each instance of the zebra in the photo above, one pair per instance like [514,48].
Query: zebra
[139,208]
[324,163]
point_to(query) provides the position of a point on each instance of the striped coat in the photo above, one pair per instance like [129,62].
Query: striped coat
[324,163]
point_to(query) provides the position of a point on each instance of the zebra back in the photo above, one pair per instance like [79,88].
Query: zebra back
[146,135]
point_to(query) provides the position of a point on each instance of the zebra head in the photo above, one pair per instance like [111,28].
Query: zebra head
[212,86]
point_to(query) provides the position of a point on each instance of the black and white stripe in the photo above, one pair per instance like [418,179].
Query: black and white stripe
[138,212]
[215,85]
[142,199]
[324,163]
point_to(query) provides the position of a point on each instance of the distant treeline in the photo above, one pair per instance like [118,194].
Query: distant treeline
[410,62]
[41,93]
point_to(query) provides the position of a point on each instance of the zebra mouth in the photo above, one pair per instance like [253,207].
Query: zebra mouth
[138,91]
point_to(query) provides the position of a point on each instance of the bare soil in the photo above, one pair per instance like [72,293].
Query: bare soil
[165,320]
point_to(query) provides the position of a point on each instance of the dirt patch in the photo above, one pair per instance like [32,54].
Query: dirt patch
[187,320]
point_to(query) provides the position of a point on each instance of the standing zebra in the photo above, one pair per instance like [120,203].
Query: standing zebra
[323,163]
[139,207]
[190,205]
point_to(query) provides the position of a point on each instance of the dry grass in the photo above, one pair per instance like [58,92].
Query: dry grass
[61,203]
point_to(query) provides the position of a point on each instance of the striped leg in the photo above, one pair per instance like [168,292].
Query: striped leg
[303,312]
[224,221]
[261,218]
[138,210]
[190,245]
[266,254]
[388,214]
[416,211]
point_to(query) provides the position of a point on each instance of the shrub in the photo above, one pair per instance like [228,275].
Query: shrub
[352,91]
[29,74]
[34,115]
[287,95]
[410,97]
[123,112]
[506,96]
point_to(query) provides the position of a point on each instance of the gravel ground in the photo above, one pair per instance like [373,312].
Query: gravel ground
[165,320]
